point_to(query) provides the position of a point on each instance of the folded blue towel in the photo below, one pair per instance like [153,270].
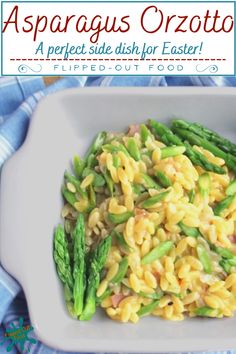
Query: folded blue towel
[18,99]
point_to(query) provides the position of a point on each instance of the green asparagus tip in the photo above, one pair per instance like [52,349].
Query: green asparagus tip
[116,161]
[149,182]
[150,202]
[171,151]
[120,218]
[123,267]
[79,265]
[144,133]
[62,257]
[223,252]
[163,179]
[158,128]
[109,182]
[225,265]
[98,181]
[148,309]
[153,296]
[133,149]
[78,166]
[223,204]
[121,241]
[97,144]
[204,183]
[231,189]
[179,123]
[206,311]
[189,231]
[161,250]
[204,258]
[191,196]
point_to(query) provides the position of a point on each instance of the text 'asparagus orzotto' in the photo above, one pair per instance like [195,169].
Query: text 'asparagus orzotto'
[149,225]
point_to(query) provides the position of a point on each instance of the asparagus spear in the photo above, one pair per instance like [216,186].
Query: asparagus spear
[144,133]
[116,148]
[232,261]
[172,151]
[228,258]
[92,161]
[189,231]
[194,139]
[123,266]
[98,181]
[96,145]
[69,197]
[109,182]
[208,134]
[92,198]
[153,296]
[62,257]
[205,311]
[168,138]
[103,296]
[225,265]
[79,265]
[199,159]
[138,189]
[116,161]
[121,241]
[161,250]
[68,295]
[133,149]
[197,140]
[223,204]
[90,297]
[191,195]
[70,309]
[120,218]
[148,203]
[226,254]
[148,182]
[223,252]
[68,177]
[163,179]
[161,129]
[204,258]
[148,309]
[78,166]
[204,182]
[97,263]
[231,189]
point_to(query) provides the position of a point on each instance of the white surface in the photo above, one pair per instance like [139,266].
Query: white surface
[63,125]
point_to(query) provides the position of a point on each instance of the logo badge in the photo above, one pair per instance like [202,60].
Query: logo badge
[18,335]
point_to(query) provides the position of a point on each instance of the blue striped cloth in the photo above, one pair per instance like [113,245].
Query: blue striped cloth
[18,99]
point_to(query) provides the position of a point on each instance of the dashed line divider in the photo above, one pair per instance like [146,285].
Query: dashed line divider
[118,59]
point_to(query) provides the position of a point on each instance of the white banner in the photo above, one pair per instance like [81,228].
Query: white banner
[117,38]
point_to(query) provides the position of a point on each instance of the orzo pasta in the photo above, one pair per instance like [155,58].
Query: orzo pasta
[149,225]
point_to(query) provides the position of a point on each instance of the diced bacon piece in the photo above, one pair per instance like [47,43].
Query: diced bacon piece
[134,128]
[233,238]
[116,299]
[140,212]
